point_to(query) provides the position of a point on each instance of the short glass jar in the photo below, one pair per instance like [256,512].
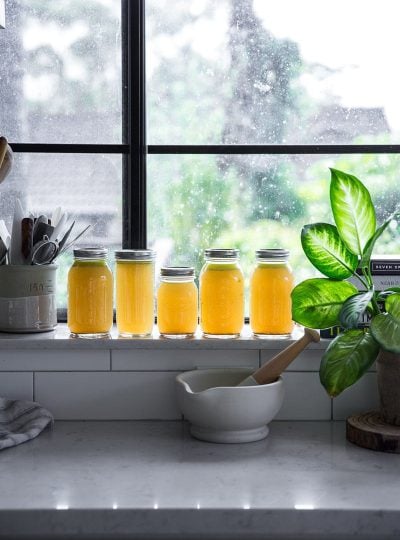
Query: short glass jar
[134,278]
[221,294]
[90,294]
[270,287]
[177,302]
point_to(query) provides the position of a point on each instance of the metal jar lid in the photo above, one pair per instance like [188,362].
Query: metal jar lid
[277,253]
[177,271]
[135,255]
[90,253]
[222,253]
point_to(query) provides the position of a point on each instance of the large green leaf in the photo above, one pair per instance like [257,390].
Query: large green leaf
[353,211]
[366,256]
[327,251]
[386,327]
[386,331]
[353,308]
[346,359]
[317,302]
[388,292]
[392,306]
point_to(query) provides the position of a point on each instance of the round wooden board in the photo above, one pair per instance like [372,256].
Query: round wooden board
[370,431]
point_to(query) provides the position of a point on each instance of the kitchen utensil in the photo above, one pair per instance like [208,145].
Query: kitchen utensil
[42,230]
[26,238]
[65,237]
[220,411]
[6,158]
[44,251]
[55,218]
[5,239]
[3,149]
[58,229]
[15,252]
[74,240]
[3,251]
[4,234]
[270,371]
[37,221]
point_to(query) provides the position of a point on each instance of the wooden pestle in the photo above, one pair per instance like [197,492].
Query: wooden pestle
[270,371]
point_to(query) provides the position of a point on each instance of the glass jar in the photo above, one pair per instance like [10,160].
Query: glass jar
[270,287]
[134,277]
[90,294]
[221,294]
[177,302]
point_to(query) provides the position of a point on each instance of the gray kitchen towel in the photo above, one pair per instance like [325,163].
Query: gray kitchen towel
[21,421]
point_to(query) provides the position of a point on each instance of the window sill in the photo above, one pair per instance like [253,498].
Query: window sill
[60,339]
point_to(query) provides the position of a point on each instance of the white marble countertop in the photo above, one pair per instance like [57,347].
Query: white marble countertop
[60,339]
[151,480]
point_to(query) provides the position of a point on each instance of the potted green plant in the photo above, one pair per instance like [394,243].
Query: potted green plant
[340,251]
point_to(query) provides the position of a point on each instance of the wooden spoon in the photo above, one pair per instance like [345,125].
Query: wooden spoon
[270,371]
[6,158]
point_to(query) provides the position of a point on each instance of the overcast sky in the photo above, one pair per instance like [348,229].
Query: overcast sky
[361,37]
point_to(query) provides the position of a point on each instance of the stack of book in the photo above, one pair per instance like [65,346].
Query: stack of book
[385,271]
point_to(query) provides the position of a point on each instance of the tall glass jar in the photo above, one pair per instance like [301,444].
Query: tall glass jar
[221,294]
[90,294]
[134,276]
[270,287]
[177,302]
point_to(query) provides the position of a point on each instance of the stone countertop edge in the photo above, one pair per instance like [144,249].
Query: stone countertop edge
[207,524]
[60,339]
[151,480]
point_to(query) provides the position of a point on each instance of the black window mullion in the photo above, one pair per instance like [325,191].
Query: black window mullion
[67,148]
[134,124]
[274,149]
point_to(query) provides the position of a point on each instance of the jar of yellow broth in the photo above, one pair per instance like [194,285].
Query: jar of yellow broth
[177,302]
[221,294]
[134,278]
[90,294]
[270,287]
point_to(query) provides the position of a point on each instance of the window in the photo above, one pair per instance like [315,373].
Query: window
[249,102]
[61,108]
[185,124]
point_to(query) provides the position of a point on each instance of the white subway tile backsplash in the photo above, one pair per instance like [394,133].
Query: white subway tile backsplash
[108,396]
[361,397]
[16,386]
[54,360]
[305,398]
[308,360]
[181,360]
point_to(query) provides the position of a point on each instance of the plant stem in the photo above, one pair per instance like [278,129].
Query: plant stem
[375,305]
[364,283]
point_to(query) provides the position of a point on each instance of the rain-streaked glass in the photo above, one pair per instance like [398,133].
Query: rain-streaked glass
[60,71]
[252,202]
[272,72]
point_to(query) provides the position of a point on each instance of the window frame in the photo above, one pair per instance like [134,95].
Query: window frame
[134,149]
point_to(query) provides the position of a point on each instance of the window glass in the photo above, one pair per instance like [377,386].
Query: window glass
[272,72]
[252,202]
[60,71]
[86,186]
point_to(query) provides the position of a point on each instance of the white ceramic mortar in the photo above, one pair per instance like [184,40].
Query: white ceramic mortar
[219,411]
